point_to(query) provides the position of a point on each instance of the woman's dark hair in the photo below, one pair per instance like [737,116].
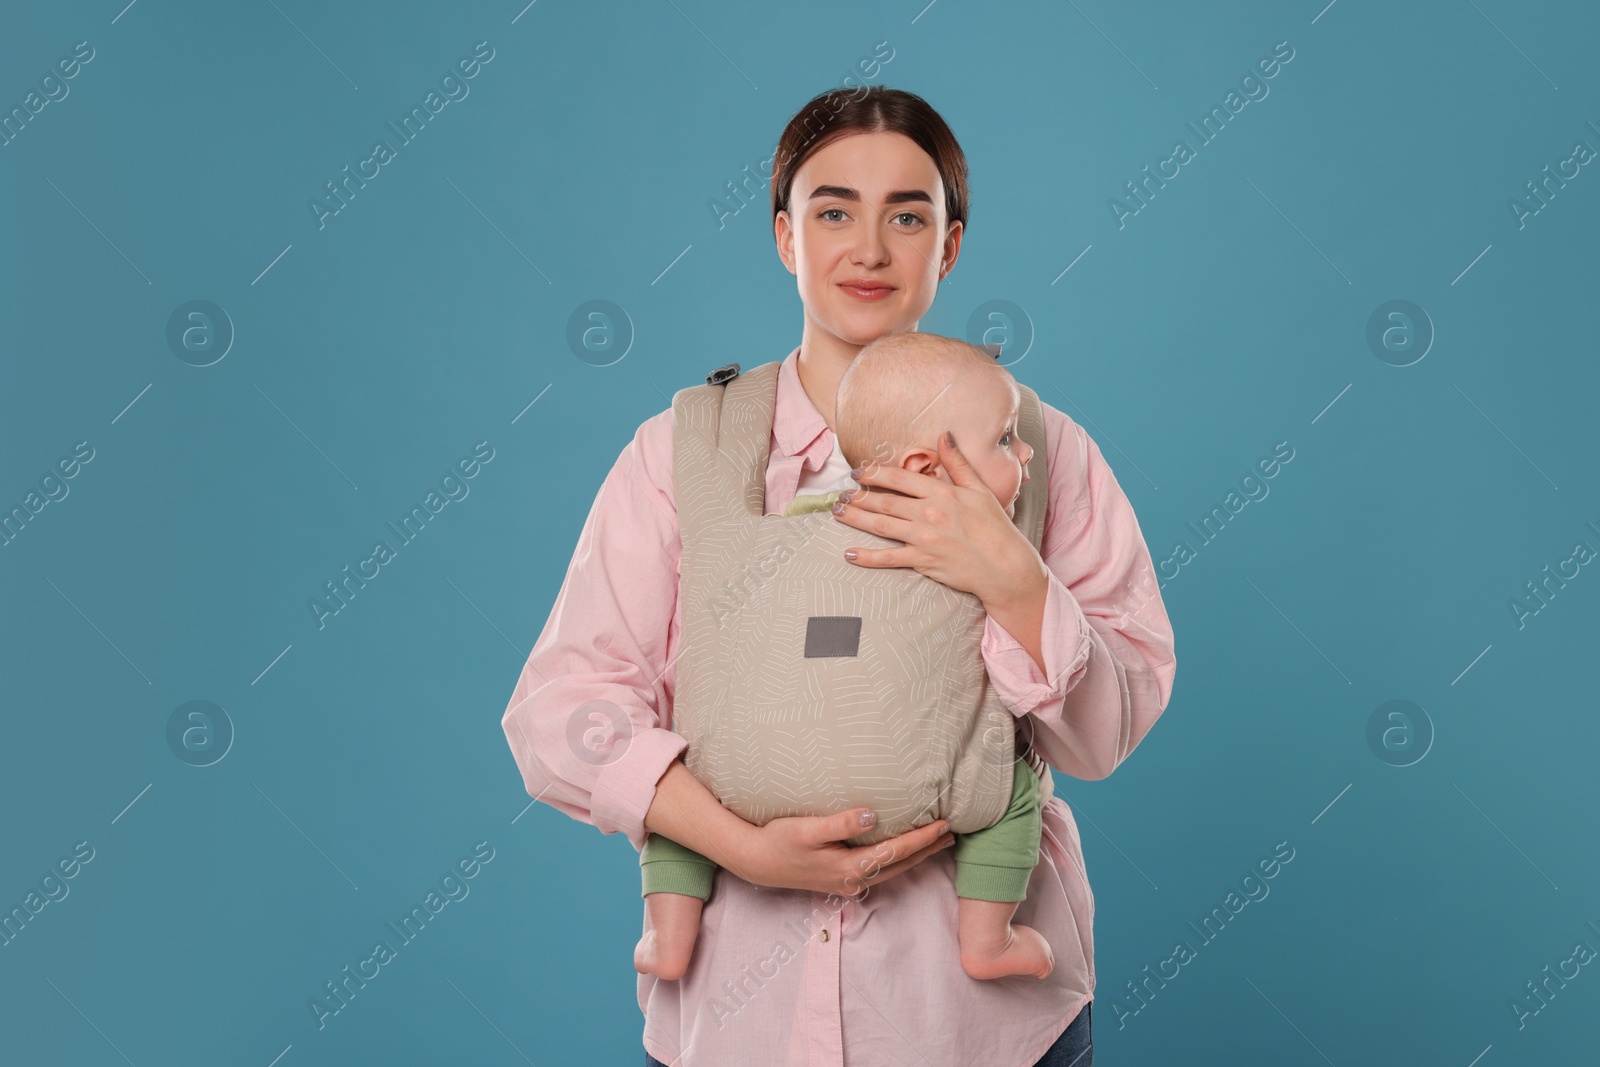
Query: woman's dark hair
[870,109]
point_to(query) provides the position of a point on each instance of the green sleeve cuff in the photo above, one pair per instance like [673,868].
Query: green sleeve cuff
[980,881]
[668,867]
[807,502]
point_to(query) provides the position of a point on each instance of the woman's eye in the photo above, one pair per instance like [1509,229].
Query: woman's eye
[1005,439]
[830,211]
[912,215]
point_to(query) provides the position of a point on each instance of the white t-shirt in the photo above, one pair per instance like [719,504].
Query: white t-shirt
[835,474]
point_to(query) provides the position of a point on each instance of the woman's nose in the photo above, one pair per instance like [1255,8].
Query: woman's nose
[871,247]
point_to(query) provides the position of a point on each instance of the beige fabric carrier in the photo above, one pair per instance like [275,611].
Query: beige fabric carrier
[807,684]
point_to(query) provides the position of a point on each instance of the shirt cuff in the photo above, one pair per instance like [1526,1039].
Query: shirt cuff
[1065,640]
[626,786]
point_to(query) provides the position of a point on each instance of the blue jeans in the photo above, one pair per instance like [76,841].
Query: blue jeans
[1074,1048]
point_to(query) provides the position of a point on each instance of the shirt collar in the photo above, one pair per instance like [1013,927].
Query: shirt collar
[797,425]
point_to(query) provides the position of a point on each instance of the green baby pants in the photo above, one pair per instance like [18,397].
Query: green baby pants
[991,864]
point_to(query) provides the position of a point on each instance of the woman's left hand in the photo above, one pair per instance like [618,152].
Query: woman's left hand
[955,534]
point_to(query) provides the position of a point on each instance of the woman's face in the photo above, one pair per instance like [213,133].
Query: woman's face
[865,235]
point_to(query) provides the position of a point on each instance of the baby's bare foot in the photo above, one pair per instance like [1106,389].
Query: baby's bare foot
[1021,950]
[663,961]
[674,926]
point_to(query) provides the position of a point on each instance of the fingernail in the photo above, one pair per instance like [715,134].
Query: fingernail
[947,844]
[845,496]
[855,472]
[868,818]
[850,554]
[838,507]
[949,439]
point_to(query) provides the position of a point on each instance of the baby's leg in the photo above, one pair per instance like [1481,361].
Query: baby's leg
[666,949]
[992,871]
[677,881]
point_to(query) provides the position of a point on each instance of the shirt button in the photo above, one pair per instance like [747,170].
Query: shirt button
[823,936]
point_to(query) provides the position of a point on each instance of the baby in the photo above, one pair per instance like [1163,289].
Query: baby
[897,396]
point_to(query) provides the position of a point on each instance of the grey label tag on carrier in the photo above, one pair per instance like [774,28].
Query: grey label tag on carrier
[833,635]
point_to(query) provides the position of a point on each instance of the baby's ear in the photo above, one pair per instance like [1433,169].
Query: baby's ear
[921,461]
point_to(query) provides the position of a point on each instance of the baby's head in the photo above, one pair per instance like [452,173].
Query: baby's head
[905,389]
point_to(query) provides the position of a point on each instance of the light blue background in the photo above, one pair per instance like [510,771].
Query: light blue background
[1227,315]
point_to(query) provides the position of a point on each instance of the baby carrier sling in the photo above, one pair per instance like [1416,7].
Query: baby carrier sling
[807,684]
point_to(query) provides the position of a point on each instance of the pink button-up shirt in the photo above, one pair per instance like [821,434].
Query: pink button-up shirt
[802,979]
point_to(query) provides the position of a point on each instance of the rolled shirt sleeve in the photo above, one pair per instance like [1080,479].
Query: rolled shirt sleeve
[1065,637]
[1107,642]
[584,722]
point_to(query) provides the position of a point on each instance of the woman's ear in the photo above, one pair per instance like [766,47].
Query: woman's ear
[783,235]
[951,250]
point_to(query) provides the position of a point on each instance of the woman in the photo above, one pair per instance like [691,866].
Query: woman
[795,964]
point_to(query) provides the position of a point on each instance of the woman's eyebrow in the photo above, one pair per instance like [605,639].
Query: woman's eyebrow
[844,192]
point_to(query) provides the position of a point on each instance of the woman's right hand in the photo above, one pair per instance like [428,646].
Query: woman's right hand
[809,852]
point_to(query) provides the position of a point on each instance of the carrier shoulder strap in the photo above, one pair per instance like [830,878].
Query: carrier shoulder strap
[1029,518]
[721,434]
[1031,505]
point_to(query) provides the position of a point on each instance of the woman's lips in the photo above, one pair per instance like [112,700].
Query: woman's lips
[866,293]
